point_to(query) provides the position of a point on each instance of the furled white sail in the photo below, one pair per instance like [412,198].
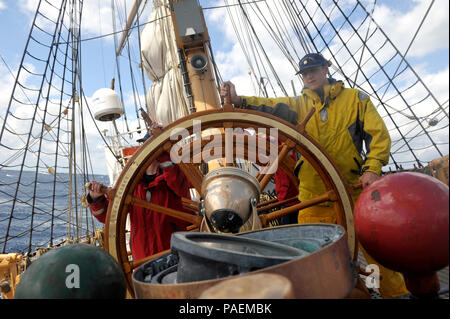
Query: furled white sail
[165,98]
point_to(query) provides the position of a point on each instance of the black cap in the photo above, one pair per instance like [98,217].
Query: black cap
[312,60]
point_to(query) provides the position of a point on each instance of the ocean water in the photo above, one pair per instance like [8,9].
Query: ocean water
[34,212]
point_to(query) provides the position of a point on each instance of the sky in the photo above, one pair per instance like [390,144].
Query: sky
[429,55]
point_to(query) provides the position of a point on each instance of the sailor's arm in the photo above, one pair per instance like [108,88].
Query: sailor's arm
[377,141]
[285,108]
[173,176]
[229,86]
[98,202]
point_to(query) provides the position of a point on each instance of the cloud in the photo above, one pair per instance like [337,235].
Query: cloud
[401,26]
[6,84]
[98,18]
[2,5]
[49,13]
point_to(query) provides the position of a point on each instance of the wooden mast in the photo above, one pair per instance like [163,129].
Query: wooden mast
[130,20]
[192,37]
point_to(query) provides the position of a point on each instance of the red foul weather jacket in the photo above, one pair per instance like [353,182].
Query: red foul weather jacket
[151,231]
[284,187]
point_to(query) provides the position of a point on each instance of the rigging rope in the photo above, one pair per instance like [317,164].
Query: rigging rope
[410,44]
[397,90]
[142,72]
[363,47]
[41,124]
[409,66]
[262,49]
[118,65]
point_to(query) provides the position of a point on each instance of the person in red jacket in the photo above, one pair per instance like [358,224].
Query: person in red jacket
[163,184]
[286,189]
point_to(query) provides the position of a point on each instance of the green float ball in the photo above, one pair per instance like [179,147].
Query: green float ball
[77,271]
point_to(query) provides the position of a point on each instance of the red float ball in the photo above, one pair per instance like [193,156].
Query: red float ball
[402,221]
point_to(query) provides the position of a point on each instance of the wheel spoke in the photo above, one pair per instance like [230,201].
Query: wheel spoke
[191,175]
[301,127]
[276,204]
[287,146]
[190,208]
[328,196]
[189,202]
[194,168]
[133,200]
[189,205]
[270,201]
[229,158]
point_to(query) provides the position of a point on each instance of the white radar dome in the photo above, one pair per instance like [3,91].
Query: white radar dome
[106,105]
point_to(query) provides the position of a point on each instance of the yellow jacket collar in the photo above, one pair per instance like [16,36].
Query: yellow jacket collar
[331,90]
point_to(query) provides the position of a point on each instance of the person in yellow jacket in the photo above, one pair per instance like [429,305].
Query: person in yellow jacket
[344,120]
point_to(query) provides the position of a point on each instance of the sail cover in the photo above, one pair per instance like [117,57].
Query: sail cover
[165,100]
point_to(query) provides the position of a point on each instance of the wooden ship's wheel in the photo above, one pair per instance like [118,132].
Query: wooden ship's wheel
[290,136]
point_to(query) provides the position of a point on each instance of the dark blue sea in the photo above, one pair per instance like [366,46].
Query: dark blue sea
[34,211]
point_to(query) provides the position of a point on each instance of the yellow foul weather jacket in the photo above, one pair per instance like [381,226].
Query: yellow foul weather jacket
[344,120]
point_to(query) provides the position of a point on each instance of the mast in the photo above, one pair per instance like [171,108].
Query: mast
[192,40]
[130,20]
